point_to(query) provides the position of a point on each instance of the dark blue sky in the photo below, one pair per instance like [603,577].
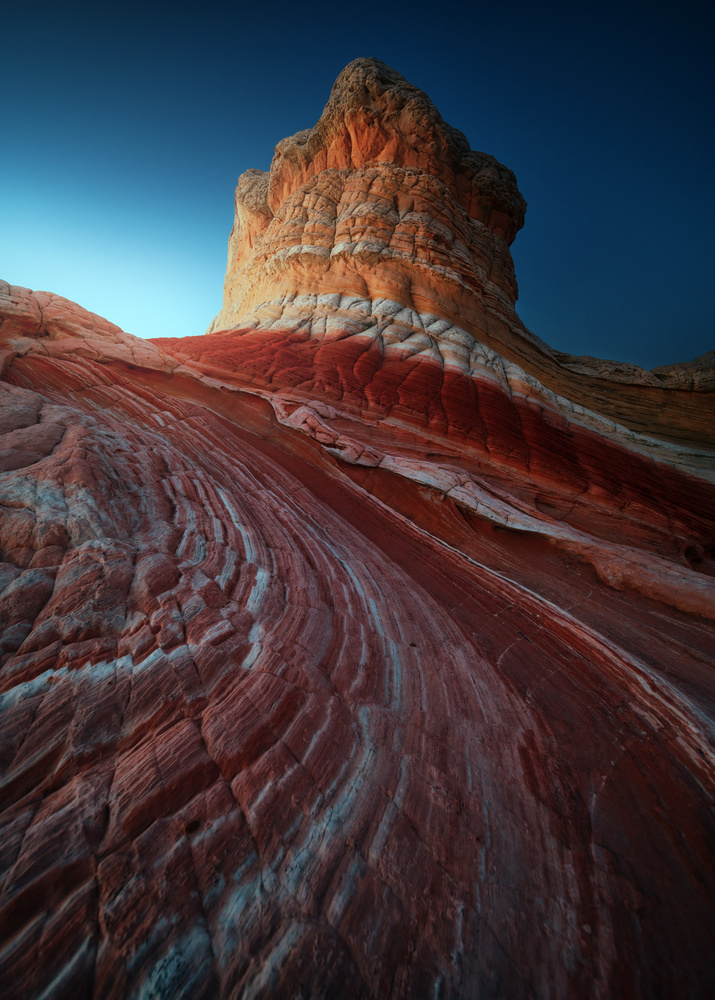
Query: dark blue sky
[125,128]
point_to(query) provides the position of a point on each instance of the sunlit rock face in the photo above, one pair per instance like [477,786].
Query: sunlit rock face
[381,179]
[361,647]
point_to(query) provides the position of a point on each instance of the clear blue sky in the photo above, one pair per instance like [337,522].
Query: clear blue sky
[126,126]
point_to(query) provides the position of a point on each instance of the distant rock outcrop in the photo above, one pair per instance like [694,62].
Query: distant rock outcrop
[363,646]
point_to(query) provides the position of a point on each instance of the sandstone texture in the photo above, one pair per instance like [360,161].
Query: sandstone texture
[363,646]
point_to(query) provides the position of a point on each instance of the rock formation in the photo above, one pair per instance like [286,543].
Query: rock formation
[362,646]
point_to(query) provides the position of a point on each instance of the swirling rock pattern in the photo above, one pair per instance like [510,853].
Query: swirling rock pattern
[364,649]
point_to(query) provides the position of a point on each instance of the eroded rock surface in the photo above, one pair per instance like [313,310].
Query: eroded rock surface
[364,648]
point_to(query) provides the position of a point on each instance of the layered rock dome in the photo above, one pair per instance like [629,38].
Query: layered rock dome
[362,646]
[380,179]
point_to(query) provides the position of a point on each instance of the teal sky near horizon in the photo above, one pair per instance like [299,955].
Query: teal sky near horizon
[126,127]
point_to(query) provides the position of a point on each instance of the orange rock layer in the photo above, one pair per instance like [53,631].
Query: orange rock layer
[365,649]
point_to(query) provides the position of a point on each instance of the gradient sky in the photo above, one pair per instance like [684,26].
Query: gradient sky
[126,126]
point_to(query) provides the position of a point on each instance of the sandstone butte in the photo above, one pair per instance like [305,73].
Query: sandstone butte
[361,647]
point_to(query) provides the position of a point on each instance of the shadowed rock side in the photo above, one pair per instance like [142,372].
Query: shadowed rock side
[343,656]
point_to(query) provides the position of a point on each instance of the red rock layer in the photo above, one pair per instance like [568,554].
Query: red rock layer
[497,446]
[268,726]
[343,656]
